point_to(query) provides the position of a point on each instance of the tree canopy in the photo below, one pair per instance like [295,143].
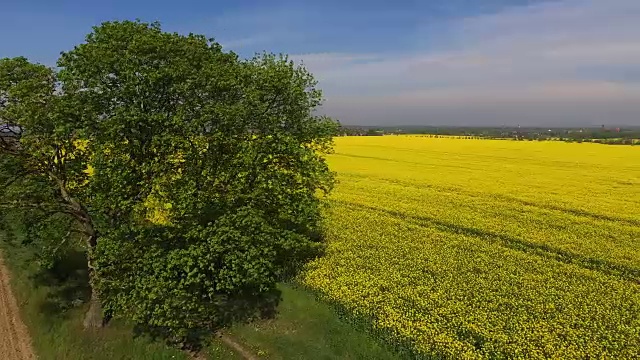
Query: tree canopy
[192,174]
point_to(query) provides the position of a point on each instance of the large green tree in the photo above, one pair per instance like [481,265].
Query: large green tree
[201,172]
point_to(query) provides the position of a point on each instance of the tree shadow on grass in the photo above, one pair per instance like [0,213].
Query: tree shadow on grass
[214,312]
[66,282]
[229,311]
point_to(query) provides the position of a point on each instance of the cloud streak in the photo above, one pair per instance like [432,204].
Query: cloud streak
[573,62]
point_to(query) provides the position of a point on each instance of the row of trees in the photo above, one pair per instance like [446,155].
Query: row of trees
[615,136]
[188,175]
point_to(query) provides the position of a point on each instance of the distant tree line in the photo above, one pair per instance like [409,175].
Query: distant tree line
[603,135]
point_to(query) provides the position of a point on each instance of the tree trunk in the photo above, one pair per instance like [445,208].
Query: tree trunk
[94,318]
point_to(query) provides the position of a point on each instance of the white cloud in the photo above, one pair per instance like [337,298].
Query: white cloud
[551,92]
[240,43]
[321,62]
[561,56]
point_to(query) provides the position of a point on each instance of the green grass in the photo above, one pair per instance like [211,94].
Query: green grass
[306,328]
[57,333]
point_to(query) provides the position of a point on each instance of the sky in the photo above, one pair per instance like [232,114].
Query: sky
[446,62]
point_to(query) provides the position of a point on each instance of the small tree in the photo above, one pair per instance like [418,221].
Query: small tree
[198,170]
[43,161]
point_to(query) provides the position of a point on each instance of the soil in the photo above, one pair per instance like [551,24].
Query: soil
[15,343]
[230,342]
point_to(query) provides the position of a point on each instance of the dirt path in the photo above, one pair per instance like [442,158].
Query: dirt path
[230,342]
[15,343]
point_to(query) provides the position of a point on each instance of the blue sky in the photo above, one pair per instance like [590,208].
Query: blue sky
[455,62]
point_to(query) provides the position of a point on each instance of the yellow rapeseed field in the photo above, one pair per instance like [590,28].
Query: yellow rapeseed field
[468,249]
